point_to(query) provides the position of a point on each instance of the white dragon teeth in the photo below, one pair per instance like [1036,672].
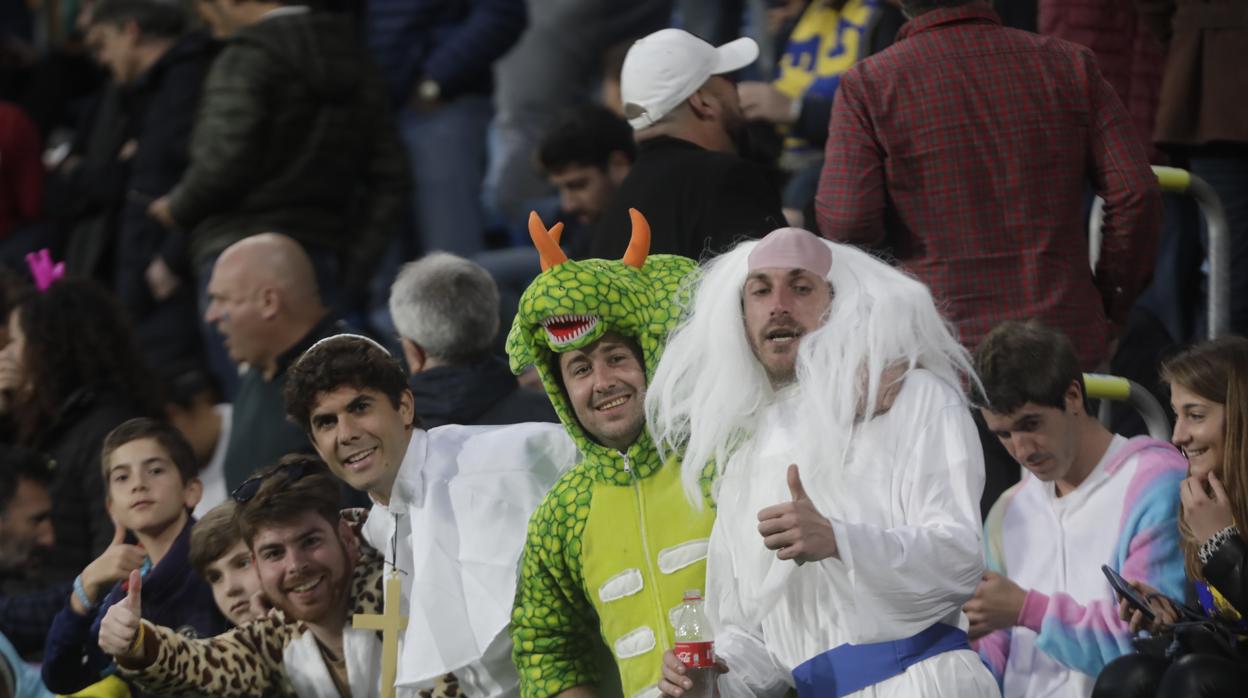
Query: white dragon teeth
[588,323]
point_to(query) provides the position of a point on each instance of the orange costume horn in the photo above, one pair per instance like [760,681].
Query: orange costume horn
[639,243]
[546,241]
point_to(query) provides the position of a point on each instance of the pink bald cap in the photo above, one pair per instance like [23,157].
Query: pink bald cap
[792,248]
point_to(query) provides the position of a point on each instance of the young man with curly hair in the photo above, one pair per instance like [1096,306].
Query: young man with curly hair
[449,506]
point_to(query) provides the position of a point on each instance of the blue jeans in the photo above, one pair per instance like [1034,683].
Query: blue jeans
[446,147]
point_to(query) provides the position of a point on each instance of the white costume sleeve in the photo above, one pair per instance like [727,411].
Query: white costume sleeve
[751,669]
[912,575]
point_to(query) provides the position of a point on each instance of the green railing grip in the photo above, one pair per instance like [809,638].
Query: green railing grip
[1173,179]
[1104,387]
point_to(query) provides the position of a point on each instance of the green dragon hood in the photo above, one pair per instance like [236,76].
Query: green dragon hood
[571,304]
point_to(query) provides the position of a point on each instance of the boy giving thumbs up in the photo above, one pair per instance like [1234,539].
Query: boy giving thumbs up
[150,478]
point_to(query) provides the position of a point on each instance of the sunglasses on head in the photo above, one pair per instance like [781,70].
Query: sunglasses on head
[293,471]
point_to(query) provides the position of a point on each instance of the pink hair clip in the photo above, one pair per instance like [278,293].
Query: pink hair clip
[43,270]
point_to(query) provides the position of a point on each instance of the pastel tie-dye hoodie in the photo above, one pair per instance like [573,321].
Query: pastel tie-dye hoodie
[1125,515]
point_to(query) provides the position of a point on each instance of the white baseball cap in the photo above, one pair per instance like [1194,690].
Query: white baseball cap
[664,68]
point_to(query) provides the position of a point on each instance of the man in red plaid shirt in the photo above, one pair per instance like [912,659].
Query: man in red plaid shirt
[966,150]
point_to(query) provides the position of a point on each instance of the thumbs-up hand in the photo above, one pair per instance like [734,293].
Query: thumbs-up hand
[134,587]
[120,626]
[796,529]
[112,566]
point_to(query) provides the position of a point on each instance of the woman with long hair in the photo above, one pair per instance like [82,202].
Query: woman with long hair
[1209,394]
[70,373]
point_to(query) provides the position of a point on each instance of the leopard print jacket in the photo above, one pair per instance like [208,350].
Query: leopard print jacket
[247,662]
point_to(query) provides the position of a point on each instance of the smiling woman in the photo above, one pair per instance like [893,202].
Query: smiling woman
[1208,388]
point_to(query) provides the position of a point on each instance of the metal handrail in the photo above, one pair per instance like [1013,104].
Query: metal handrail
[1172,179]
[1177,181]
[1106,388]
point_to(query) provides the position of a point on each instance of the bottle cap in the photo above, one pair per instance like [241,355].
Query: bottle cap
[693,595]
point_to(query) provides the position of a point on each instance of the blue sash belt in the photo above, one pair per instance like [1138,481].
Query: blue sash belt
[848,668]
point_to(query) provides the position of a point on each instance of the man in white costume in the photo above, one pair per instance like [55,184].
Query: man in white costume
[827,388]
[450,509]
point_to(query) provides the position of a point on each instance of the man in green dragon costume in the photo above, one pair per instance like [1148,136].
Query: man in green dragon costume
[615,543]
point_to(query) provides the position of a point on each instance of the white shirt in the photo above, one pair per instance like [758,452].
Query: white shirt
[310,677]
[905,512]
[1054,545]
[456,525]
[213,474]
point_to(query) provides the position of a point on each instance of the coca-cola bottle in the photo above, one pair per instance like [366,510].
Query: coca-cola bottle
[694,646]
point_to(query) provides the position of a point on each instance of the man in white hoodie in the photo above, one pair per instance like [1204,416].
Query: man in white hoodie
[1044,618]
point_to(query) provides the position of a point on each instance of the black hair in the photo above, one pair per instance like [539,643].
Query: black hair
[1022,362]
[586,136]
[170,440]
[76,335]
[17,464]
[336,362]
[297,483]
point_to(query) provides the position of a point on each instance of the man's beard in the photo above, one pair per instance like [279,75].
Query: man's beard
[777,378]
[780,379]
[17,563]
[339,589]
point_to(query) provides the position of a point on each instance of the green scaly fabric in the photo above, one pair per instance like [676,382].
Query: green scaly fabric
[618,522]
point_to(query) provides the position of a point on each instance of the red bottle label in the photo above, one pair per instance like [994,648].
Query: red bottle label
[696,655]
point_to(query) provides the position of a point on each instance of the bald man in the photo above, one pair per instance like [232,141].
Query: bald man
[263,298]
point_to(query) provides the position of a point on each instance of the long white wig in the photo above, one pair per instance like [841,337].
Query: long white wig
[709,387]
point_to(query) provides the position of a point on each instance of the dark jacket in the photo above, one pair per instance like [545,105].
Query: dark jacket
[1227,571]
[161,107]
[173,596]
[25,618]
[452,42]
[84,194]
[479,393]
[294,135]
[694,199]
[1203,99]
[81,522]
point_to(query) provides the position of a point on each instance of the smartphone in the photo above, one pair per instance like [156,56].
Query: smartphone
[1127,592]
